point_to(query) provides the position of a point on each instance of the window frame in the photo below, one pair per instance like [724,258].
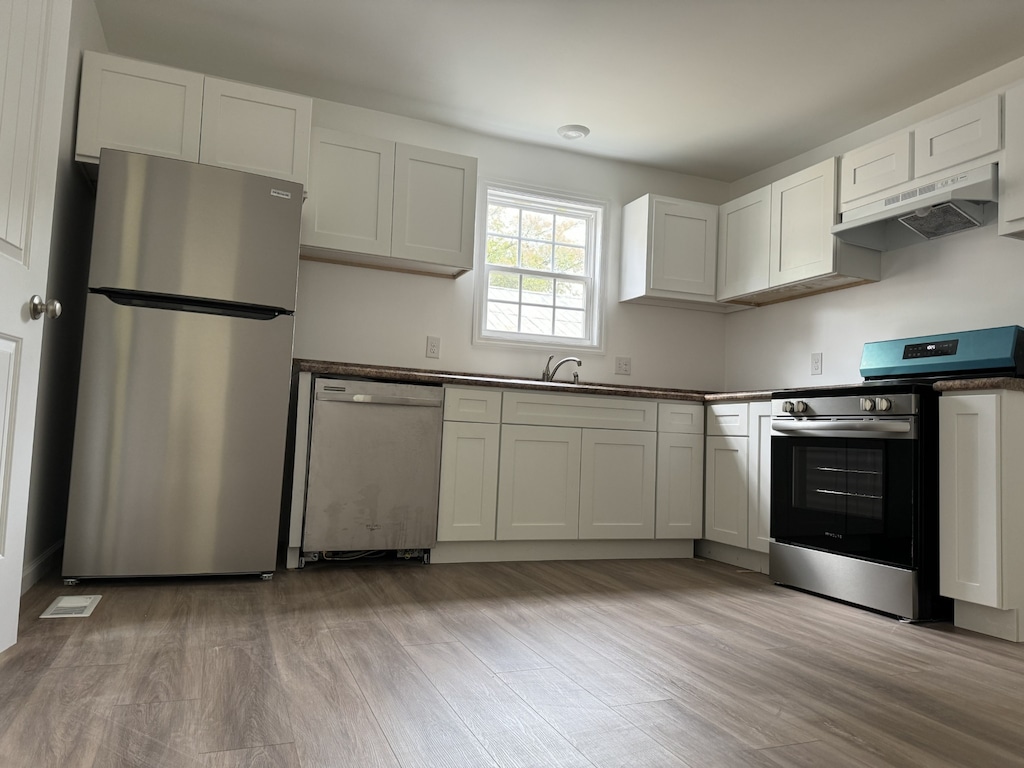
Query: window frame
[557,201]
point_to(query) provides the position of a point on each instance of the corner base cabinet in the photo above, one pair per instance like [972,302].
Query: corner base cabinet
[981,509]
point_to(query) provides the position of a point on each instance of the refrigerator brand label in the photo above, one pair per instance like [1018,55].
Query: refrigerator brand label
[281,193]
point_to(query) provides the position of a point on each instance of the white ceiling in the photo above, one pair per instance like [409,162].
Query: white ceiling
[713,88]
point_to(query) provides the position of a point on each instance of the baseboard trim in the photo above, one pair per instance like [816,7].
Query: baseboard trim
[506,551]
[40,566]
[725,553]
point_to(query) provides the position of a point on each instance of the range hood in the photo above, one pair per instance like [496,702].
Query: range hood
[912,214]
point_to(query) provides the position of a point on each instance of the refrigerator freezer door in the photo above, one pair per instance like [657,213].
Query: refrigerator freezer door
[172,227]
[179,443]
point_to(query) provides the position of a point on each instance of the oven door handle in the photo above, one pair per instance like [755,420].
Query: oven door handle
[887,427]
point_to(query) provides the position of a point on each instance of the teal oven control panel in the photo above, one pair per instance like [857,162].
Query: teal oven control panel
[987,350]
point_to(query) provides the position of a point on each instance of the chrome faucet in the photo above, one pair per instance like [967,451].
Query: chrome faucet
[549,375]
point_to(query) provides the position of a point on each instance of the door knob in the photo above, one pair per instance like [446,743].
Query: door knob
[37,308]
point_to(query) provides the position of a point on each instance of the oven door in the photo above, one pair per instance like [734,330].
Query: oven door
[850,495]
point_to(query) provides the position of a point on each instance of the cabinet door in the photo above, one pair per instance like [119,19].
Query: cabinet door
[617,484]
[539,483]
[970,555]
[725,501]
[759,477]
[469,482]
[351,188]
[803,212]
[680,487]
[136,106]
[435,202]
[684,241]
[256,130]
[868,170]
[1011,169]
[957,137]
[744,235]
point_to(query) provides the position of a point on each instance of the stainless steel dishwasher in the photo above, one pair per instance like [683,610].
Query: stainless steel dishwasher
[374,467]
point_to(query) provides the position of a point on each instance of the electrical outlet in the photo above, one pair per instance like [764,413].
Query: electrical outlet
[623,366]
[434,346]
[815,363]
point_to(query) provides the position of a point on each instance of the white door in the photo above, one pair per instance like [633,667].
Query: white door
[725,493]
[29,135]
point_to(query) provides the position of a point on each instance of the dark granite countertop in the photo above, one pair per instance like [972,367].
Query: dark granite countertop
[390,373]
[967,385]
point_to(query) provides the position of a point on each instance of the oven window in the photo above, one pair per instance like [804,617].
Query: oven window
[850,481]
[851,496]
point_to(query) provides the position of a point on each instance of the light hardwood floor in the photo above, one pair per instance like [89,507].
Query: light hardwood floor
[607,663]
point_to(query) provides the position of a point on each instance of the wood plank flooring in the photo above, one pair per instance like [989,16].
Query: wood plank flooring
[534,665]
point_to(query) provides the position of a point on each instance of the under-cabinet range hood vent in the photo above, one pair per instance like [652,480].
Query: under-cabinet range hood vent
[910,215]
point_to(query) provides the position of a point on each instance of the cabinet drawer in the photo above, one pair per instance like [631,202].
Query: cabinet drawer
[686,418]
[479,405]
[728,419]
[957,137]
[875,167]
[578,411]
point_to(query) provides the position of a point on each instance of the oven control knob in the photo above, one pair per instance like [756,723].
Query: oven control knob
[800,406]
[883,404]
[787,406]
[867,404]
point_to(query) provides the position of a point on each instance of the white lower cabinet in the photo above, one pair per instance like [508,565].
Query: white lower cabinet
[539,482]
[679,512]
[617,484]
[520,465]
[981,510]
[737,477]
[467,503]
[469,482]
[759,476]
[725,492]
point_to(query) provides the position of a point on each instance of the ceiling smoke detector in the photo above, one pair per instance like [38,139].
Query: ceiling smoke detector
[571,132]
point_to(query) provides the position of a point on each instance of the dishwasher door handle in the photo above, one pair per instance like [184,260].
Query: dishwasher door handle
[340,397]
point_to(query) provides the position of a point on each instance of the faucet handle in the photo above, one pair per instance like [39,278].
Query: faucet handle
[545,375]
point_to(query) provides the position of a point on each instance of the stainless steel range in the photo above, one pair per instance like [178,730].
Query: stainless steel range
[855,473]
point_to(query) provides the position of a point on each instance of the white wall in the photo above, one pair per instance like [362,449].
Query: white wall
[969,280]
[62,339]
[360,315]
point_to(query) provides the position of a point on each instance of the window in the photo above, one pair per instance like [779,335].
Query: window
[538,281]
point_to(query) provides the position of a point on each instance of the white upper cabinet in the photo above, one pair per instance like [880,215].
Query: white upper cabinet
[377,203]
[1011,169]
[351,189]
[956,137]
[803,251]
[951,139]
[142,107]
[803,212]
[255,129]
[744,229]
[776,243]
[868,170]
[138,107]
[435,202]
[669,252]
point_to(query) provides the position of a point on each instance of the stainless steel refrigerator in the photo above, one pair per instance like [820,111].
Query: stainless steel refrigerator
[186,366]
